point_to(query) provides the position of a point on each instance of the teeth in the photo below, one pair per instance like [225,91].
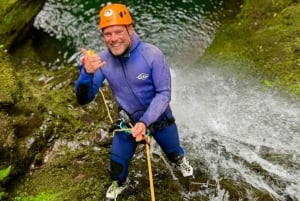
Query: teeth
[115,45]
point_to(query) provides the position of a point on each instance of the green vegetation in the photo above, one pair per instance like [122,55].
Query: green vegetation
[9,91]
[266,35]
[3,174]
[77,175]
[16,15]
[43,196]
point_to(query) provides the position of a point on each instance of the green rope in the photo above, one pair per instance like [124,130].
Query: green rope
[115,190]
[127,130]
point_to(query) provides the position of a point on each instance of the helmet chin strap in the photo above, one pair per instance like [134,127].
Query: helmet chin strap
[127,51]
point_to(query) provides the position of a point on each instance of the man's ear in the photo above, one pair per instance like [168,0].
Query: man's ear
[130,28]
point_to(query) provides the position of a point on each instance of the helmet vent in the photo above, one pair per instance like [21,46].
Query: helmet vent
[114,14]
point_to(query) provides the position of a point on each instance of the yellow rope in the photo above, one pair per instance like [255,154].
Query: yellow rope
[106,106]
[150,172]
[147,150]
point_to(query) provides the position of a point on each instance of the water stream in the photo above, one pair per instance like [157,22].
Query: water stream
[230,126]
[239,131]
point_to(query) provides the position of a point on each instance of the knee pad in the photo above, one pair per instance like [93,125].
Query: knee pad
[118,169]
[174,157]
[115,170]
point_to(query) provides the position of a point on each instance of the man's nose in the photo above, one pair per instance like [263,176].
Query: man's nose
[114,37]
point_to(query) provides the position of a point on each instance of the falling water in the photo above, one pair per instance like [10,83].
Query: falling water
[239,130]
[230,127]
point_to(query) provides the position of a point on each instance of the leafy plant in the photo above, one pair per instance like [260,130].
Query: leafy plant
[4,173]
[268,83]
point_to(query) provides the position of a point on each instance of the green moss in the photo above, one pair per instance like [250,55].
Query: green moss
[266,36]
[9,91]
[42,196]
[75,175]
[6,5]
[10,25]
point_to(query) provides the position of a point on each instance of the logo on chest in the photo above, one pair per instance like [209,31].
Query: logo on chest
[142,76]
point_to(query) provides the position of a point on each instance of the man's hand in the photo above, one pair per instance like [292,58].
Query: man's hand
[139,132]
[91,61]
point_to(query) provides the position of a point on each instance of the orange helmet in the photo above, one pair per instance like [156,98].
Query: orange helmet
[114,14]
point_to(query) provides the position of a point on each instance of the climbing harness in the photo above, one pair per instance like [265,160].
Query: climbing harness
[122,127]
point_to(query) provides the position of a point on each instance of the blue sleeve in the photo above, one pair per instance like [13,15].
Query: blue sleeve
[87,85]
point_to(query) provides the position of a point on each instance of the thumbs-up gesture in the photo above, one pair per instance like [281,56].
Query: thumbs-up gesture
[92,62]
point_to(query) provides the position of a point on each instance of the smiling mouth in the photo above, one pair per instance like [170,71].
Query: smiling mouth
[116,45]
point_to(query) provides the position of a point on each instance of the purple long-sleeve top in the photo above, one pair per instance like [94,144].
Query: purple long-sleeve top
[140,81]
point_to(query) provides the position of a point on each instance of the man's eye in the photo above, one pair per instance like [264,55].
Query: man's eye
[119,32]
[107,34]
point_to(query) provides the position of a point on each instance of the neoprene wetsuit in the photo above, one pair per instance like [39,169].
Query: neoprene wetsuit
[141,84]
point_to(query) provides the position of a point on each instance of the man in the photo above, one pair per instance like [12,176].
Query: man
[140,79]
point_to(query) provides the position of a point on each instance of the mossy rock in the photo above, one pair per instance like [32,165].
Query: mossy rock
[16,17]
[266,38]
[9,89]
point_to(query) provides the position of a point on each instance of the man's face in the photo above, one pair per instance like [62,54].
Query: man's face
[117,38]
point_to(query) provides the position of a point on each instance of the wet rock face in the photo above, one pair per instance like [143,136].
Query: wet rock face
[8,84]
[9,95]
[7,137]
[15,24]
[16,17]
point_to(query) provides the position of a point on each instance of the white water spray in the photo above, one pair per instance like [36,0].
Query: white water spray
[232,125]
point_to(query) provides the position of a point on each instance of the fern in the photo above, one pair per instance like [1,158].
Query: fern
[5,172]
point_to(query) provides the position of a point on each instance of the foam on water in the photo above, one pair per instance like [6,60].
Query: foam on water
[223,118]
